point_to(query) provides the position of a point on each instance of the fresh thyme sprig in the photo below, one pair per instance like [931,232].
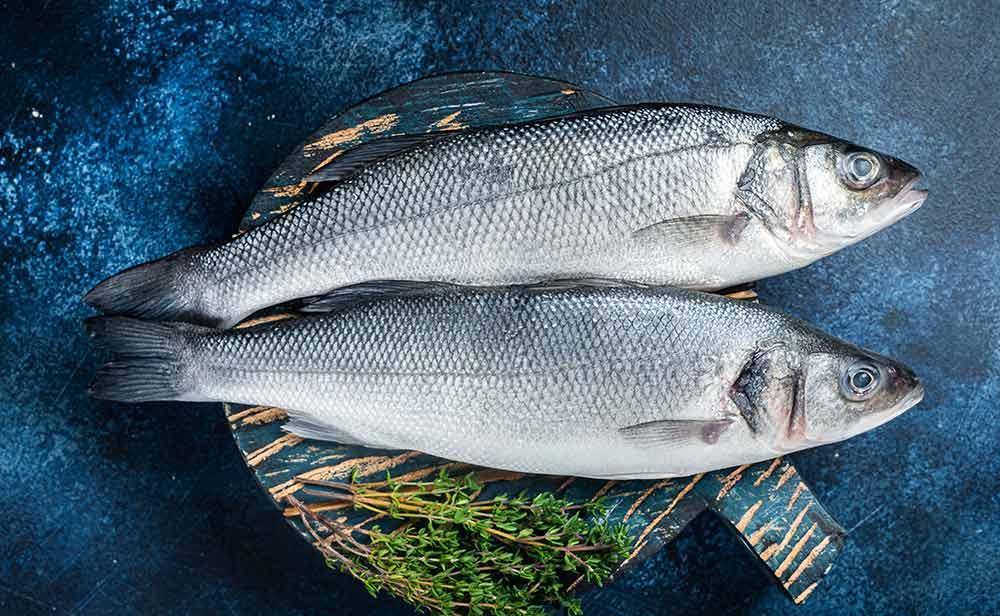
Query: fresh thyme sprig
[452,554]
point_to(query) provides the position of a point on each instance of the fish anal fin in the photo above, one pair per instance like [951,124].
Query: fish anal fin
[353,160]
[696,230]
[309,427]
[675,432]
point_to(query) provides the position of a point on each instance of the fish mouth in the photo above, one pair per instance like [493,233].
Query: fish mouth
[874,420]
[908,200]
[910,400]
[907,402]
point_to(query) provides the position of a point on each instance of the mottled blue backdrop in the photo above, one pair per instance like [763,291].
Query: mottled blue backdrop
[131,129]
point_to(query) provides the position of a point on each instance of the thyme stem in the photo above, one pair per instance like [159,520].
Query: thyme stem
[451,552]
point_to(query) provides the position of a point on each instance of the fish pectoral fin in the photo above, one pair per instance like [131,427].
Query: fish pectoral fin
[351,161]
[675,432]
[311,428]
[695,230]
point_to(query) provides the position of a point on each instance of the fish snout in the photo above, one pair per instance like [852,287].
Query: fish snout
[907,200]
[912,189]
[912,195]
[909,389]
[915,394]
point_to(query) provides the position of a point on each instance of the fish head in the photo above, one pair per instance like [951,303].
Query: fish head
[857,192]
[848,390]
[807,391]
[818,194]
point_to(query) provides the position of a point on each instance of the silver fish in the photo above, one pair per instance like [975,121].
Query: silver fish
[681,195]
[598,382]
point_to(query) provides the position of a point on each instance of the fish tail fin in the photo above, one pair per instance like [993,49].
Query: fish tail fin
[157,290]
[148,362]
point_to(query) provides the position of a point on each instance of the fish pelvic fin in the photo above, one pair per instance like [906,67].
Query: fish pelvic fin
[148,359]
[158,290]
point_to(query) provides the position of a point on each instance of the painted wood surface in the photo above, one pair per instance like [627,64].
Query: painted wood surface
[768,505]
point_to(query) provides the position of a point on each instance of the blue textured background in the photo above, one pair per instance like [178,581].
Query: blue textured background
[131,129]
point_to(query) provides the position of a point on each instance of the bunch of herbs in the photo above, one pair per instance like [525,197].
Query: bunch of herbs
[450,553]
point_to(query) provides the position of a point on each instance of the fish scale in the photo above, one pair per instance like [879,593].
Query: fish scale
[557,195]
[606,381]
[661,194]
[550,365]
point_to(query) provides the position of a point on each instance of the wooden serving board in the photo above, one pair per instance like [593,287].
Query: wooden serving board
[768,505]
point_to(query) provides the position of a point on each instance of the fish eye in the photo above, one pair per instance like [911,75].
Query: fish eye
[859,170]
[860,380]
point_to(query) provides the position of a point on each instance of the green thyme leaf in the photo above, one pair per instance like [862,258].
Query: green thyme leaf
[448,553]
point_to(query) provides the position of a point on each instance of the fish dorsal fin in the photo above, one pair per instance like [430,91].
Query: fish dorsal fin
[564,284]
[347,297]
[351,161]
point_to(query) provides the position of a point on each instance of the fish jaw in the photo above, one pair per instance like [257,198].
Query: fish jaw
[911,399]
[908,200]
[866,423]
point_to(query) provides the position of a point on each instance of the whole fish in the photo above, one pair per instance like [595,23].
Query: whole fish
[595,382]
[682,195]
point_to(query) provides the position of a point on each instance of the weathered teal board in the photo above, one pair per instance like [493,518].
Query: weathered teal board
[768,505]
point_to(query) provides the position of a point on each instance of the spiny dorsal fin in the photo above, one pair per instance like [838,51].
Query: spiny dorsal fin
[353,160]
[562,284]
[346,297]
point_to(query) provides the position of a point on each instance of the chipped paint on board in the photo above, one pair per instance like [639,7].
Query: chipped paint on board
[448,122]
[287,191]
[374,126]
